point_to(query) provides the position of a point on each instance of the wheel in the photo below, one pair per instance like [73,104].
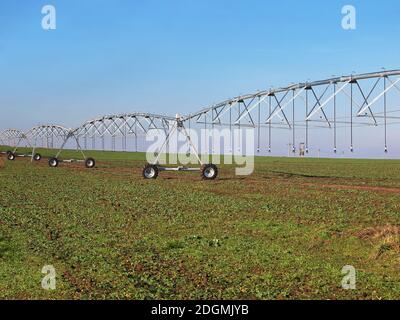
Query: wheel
[11,156]
[209,171]
[90,163]
[53,162]
[150,171]
[37,157]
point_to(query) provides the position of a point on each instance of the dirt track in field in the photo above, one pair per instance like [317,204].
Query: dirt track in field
[350,187]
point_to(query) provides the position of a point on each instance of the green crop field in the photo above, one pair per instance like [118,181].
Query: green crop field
[284,232]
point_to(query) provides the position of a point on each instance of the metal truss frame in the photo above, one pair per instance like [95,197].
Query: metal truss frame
[268,109]
[48,132]
[52,132]
[273,108]
[121,125]
[178,126]
[12,138]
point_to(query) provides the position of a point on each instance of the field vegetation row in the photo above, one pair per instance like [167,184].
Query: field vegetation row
[284,232]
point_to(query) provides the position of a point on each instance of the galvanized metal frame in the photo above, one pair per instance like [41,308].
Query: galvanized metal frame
[273,104]
[48,132]
[268,109]
[9,137]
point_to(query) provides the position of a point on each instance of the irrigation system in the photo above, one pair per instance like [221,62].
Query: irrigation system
[363,100]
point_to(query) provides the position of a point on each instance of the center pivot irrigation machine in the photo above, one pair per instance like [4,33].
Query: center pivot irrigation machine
[338,104]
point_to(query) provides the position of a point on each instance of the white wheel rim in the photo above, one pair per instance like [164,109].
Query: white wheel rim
[53,163]
[90,163]
[149,173]
[209,172]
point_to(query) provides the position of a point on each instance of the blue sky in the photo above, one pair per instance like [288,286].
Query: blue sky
[176,56]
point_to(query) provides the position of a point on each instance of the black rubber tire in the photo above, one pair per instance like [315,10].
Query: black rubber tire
[37,157]
[11,156]
[150,171]
[90,163]
[209,172]
[53,162]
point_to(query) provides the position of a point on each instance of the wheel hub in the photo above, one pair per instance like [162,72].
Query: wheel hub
[150,172]
[209,172]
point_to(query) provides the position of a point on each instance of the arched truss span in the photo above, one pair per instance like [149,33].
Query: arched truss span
[11,134]
[46,135]
[35,135]
[121,125]
[11,137]
[348,101]
[48,131]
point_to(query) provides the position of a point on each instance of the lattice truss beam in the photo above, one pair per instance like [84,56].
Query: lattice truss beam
[349,101]
[47,135]
[122,125]
[10,137]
